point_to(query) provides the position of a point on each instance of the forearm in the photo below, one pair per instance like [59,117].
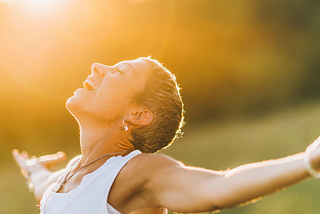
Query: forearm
[189,189]
[42,179]
[251,181]
[39,179]
[36,170]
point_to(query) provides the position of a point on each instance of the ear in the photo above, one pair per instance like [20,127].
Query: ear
[140,118]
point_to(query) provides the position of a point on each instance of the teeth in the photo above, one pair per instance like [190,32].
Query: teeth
[89,84]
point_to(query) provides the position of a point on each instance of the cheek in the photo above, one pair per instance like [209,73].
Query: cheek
[117,95]
[112,105]
[113,101]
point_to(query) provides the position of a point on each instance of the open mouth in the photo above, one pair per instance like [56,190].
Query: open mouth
[89,84]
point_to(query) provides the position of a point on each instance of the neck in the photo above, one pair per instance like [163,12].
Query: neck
[97,140]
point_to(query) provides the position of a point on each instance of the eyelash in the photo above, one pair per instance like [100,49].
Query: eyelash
[120,71]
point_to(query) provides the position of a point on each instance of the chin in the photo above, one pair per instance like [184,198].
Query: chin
[77,107]
[73,105]
[70,102]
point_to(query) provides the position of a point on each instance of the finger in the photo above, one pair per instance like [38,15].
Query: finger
[315,144]
[16,156]
[33,157]
[25,154]
[21,162]
[15,152]
[51,160]
[54,157]
[61,154]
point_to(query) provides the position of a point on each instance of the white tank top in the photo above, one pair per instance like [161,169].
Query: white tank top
[91,195]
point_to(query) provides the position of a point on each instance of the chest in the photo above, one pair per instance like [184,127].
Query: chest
[85,192]
[65,184]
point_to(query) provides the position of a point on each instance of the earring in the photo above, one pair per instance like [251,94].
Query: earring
[125,128]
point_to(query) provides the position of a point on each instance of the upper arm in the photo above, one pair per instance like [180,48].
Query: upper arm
[184,189]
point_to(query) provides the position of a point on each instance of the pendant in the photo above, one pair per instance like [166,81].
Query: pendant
[57,187]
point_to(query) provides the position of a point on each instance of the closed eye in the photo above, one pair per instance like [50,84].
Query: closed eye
[120,71]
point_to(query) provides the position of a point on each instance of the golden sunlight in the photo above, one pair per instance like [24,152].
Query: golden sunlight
[136,1]
[40,2]
[87,23]
[42,6]
[35,33]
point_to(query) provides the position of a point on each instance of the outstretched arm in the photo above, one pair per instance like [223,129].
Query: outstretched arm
[37,170]
[188,189]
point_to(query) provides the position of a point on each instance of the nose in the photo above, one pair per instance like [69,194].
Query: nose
[99,69]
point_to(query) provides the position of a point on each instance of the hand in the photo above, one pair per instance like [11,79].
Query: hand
[314,154]
[28,165]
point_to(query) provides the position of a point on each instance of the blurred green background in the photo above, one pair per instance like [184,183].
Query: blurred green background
[249,73]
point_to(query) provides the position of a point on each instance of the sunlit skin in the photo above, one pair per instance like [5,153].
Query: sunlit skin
[150,182]
[101,112]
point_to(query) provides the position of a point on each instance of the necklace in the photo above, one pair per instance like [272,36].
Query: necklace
[58,186]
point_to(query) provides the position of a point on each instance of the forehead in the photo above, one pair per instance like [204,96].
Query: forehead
[138,66]
[137,70]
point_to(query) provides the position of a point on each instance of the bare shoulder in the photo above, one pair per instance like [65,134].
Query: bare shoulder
[150,163]
[157,158]
[130,188]
[145,170]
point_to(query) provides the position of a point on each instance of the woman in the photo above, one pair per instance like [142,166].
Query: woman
[127,112]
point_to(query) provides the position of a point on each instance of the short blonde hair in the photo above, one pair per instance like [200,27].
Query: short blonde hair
[162,96]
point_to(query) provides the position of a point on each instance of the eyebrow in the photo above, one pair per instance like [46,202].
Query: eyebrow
[125,63]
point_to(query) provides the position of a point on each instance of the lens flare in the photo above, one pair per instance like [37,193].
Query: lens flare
[42,6]
[88,23]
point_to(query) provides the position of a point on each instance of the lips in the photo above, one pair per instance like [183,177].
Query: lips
[89,84]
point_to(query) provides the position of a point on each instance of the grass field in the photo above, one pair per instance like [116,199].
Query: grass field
[220,146]
[225,145]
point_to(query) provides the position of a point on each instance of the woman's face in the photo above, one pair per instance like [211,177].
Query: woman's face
[109,90]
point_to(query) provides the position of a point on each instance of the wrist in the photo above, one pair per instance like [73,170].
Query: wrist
[33,167]
[308,164]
